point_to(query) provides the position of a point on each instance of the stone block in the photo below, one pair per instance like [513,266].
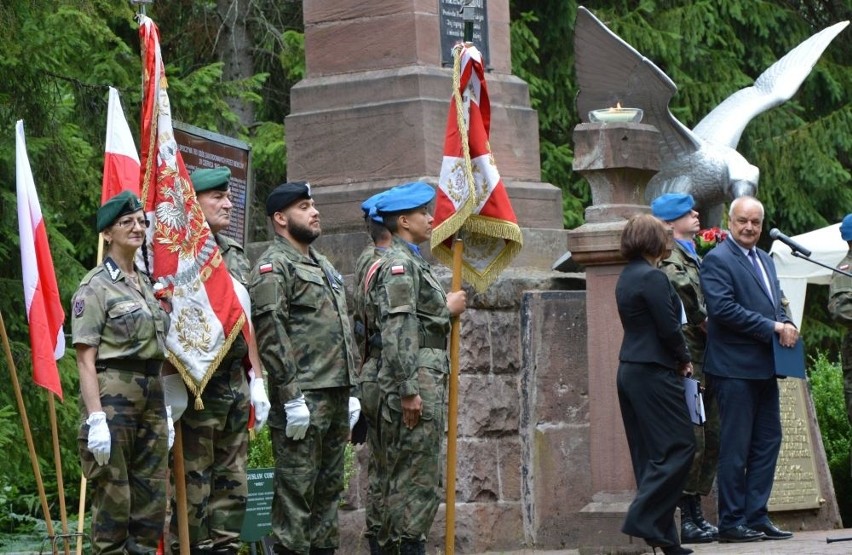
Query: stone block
[476,344]
[503,522]
[505,328]
[488,405]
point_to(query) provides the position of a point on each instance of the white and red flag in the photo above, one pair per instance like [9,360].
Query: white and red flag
[121,161]
[44,307]
[206,314]
[471,199]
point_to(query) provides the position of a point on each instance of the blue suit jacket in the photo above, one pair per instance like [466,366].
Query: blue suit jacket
[741,316]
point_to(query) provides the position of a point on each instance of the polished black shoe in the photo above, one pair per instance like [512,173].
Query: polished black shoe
[700,521]
[740,534]
[690,532]
[772,532]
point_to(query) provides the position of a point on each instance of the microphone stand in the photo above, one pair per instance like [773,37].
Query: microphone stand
[797,254]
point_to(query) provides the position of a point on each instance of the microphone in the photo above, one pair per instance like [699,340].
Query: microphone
[776,234]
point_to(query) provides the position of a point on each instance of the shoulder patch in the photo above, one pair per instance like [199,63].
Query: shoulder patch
[397,270]
[265,268]
[79,307]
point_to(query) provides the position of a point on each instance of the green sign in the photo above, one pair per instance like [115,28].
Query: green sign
[258,519]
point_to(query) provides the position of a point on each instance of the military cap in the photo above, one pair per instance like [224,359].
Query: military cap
[672,206]
[405,197]
[123,203]
[211,179]
[846,228]
[286,194]
[369,207]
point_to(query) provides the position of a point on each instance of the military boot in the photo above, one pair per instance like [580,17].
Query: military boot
[689,531]
[698,518]
[412,547]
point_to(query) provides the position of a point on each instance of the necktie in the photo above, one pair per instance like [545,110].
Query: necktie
[753,256]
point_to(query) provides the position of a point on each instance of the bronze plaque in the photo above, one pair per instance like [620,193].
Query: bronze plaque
[452,28]
[204,149]
[796,482]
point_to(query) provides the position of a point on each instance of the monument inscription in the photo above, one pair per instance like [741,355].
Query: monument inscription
[452,27]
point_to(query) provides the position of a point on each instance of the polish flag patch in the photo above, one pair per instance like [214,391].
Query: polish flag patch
[844,267]
[265,268]
[397,270]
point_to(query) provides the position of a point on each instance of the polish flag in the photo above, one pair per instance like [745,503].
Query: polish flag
[121,161]
[44,308]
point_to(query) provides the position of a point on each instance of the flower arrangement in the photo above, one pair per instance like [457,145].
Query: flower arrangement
[707,239]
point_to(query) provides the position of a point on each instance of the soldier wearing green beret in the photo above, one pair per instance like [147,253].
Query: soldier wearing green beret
[840,307]
[305,341]
[412,317]
[118,329]
[215,444]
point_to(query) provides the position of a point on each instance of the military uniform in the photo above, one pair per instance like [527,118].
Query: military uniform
[215,444]
[414,320]
[840,306]
[305,343]
[127,326]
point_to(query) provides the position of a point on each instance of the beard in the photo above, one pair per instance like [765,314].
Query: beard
[303,234]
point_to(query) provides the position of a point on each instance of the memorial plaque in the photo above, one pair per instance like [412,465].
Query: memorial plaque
[204,149]
[452,28]
[257,522]
[796,482]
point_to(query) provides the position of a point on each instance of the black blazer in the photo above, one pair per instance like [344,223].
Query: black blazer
[650,313]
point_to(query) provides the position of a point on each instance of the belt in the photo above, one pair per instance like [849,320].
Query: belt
[431,341]
[147,367]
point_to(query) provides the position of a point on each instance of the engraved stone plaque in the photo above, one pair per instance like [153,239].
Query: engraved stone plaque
[452,28]
[796,482]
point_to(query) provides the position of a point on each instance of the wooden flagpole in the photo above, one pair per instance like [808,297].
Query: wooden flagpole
[27,433]
[452,407]
[57,461]
[180,490]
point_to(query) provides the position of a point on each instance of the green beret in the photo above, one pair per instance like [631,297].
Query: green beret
[123,203]
[286,194]
[210,179]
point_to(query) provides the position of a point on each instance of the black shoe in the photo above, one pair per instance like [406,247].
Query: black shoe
[740,534]
[699,520]
[772,532]
[676,550]
[691,533]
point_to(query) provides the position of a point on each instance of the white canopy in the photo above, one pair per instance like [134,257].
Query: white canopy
[795,273]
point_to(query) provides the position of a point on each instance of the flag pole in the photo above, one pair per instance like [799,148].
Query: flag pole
[27,433]
[180,489]
[452,406]
[57,461]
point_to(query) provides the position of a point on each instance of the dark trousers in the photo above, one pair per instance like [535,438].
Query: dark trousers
[662,445]
[750,438]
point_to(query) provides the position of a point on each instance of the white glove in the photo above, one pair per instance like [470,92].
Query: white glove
[99,438]
[259,401]
[354,411]
[171,424]
[174,392]
[298,417]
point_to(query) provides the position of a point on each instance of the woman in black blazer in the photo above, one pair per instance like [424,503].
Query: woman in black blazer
[652,360]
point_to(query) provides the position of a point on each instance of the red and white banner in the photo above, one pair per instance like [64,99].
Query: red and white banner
[471,199]
[44,307]
[206,314]
[121,161]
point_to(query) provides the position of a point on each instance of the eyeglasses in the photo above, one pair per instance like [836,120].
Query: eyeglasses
[132,222]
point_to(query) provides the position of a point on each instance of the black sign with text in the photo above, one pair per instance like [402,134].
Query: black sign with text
[452,27]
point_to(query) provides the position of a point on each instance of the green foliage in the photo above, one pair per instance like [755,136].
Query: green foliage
[260,450]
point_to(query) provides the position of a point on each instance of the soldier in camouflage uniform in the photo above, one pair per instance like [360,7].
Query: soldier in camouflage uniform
[413,317]
[303,333]
[118,329]
[215,438]
[682,269]
[840,306]
[368,386]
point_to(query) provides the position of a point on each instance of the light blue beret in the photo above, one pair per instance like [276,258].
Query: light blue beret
[672,206]
[405,197]
[846,228]
[369,207]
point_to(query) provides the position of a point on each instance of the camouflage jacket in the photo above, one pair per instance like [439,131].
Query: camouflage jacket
[682,270]
[840,293]
[301,323]
[369,255]
[240,269]
[413,317]
[110,314]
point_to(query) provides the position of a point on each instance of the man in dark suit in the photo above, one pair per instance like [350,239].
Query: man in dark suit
[745,313]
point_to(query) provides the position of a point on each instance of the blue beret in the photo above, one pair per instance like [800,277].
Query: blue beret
[123,203]
[406,197]
[846,228]
[672,206]
[209,179]
[369,207]
[286,194]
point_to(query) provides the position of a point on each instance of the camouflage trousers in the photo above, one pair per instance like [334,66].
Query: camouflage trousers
[128,494]
[706,461]
[309,475]
[215,453]
[376,464]
[412,488]
[846,364]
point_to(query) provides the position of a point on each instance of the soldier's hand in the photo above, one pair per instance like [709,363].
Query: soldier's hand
[171,424]
[174,392]
[260,402]
[99,437]
[412,408]
[298,418]
[456,302]
[354,412]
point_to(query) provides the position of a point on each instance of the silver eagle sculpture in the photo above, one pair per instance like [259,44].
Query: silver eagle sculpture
[703,161]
